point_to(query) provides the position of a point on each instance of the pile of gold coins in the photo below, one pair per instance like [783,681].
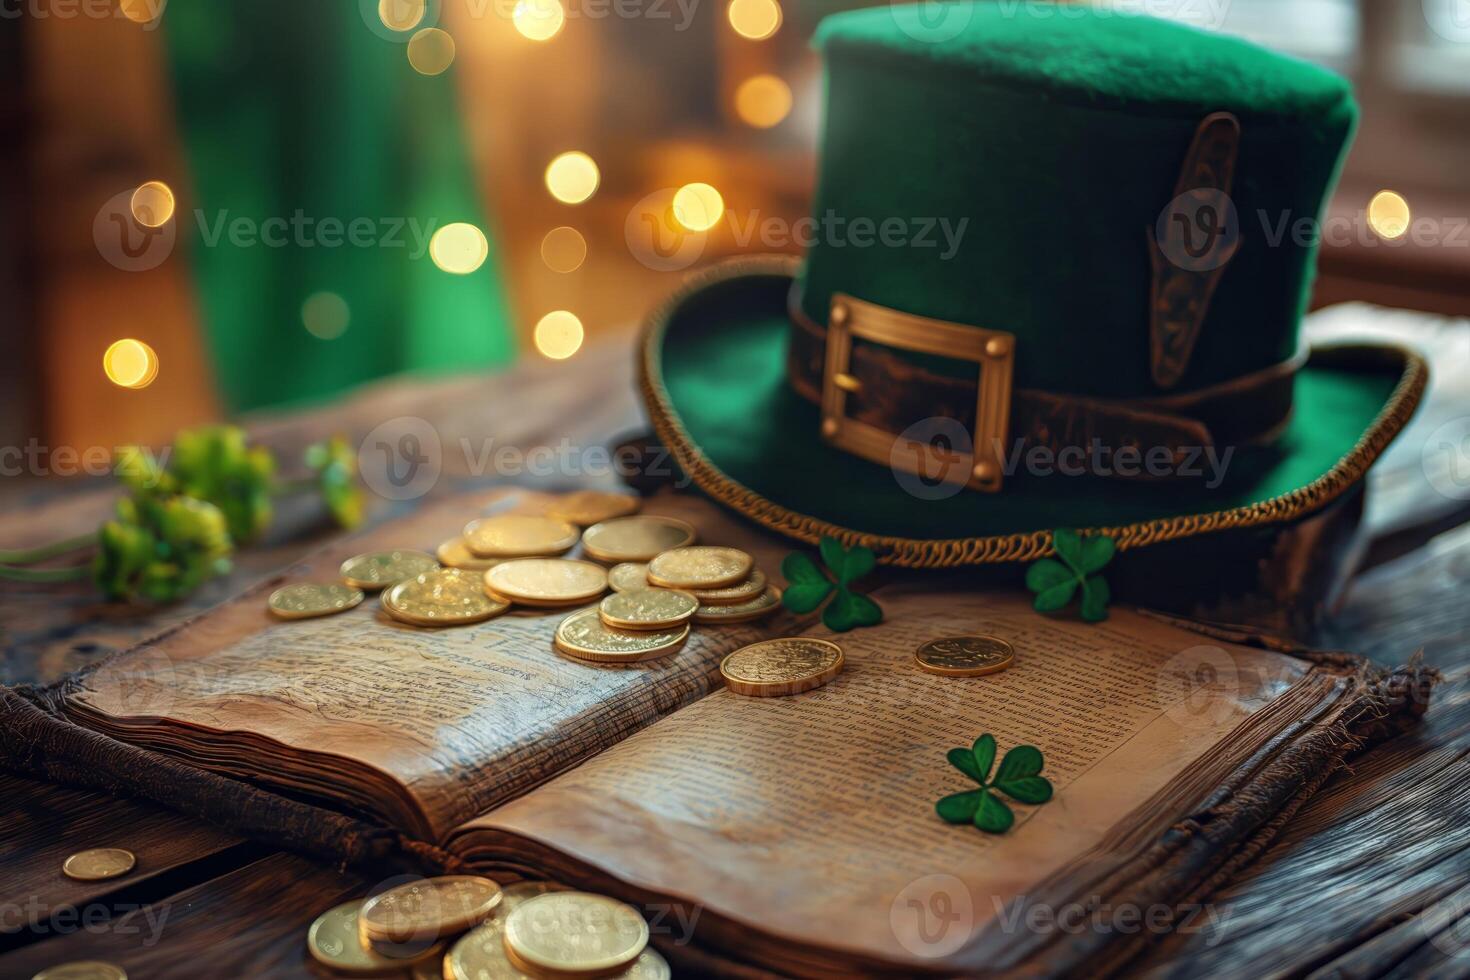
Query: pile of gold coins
[661,580]
[464,927]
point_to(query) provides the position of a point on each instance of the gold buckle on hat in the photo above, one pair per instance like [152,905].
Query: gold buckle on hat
[993,350]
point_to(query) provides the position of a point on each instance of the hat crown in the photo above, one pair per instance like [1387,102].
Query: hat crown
[1003,165]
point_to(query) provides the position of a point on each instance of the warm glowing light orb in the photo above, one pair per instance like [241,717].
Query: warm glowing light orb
[754,19]
[431,51]
[325,315]
[538,20]
[763,101]
[563,249]
[572,177]
[141,11]
[559,335]
[130,363]
[1388,214]
[460,248]
[401,15]
[153,204]
[698,207]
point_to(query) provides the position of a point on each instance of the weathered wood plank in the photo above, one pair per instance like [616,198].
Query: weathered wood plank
[249,923]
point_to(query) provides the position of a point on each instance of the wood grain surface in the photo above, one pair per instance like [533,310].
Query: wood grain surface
[1371,877]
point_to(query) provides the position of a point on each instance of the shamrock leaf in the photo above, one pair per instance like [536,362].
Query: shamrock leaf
[161,548]
[1016,777]
[808,586]
[214,463]
[335,465]
[849,610]
[1056,580]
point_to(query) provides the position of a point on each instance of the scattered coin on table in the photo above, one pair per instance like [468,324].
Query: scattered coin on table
[99,864]
[700,567]
[574,933]
[584,636]
[443,597]
[519,536]
[307,600]
[547,582]
[429,909]
[628,576]
[335,941]
[380,569]
[764,605]
[82,970]
[965,656]
[647,609]
[588,507]
[456,553]
[640,538]
[779,667]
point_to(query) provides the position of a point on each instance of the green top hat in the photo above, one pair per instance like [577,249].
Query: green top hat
[1047,285]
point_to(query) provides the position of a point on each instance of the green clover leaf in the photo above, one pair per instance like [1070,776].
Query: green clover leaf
[161,548]
[808,586]
[1018,777]
[335,465]
[1056,580]
[214,463]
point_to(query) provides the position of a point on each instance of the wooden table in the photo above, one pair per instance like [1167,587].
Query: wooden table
[1375,867]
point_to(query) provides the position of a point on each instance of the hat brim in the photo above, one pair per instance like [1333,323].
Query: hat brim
[713,377]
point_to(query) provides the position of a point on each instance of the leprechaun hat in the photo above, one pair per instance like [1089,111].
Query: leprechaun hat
[1045,288]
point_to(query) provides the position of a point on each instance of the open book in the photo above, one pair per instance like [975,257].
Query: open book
[794,834]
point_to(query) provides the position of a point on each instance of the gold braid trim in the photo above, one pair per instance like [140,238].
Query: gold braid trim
[954,552]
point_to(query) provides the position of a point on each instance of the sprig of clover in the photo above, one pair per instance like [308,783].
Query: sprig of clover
[1056,580]
[808,586]
[1018,778]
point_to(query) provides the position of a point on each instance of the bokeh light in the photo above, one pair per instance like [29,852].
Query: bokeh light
[141,11]
[460,248]
[153,204]
[130,363]
[559,335]
[754,19]
[401,15]
[563,249]
[698,207]
[763,101]
[1388,214]
[572,177]
[538,20]
[431,51]
[325,315]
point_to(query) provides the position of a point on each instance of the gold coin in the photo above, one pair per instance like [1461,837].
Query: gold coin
[380,569]
[547,581]
[335,940]
[730,595]
[99,864]
[426,910]
[775,668]
[455,553]
[444,597]
[585,636]
[699,568]
[628,576]
[480,953]
[306,600]
[575,932]
[965,656]
[641,538]
[741,612]
[647,609]
[519,536]
[588,507]
[82,970]
[650,965]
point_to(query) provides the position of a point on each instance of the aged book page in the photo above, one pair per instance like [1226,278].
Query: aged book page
[811,818]
[423,728]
